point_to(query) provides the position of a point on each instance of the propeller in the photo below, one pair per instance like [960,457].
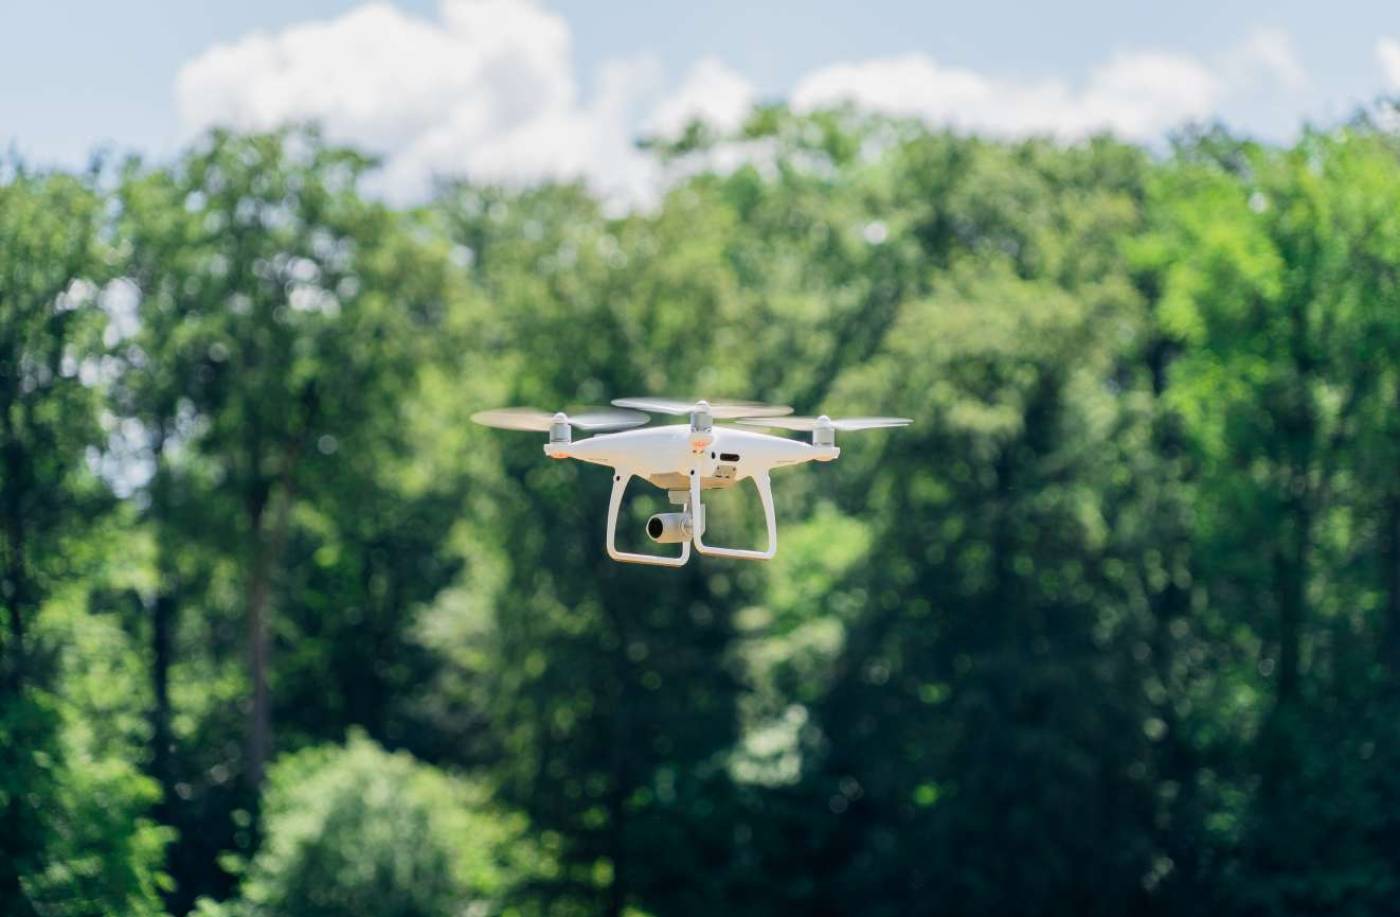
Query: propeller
[818,423]
[824,428]
[544,421]
[720,409]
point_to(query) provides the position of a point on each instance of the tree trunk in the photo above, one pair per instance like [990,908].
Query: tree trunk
[1290,579]
[162,630]
[15,591]
[259,717]
[617,894]
[1390,563]
[162,740]
[268,543]
[16,582]
[1298,427]
[621,787]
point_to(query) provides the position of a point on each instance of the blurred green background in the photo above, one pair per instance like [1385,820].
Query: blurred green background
[1114,628]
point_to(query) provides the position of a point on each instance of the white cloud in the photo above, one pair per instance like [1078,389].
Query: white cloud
[1266,57]
[1134,94]
[486,88]
[592,141]
[712,93]
[383,75]
[1388,55]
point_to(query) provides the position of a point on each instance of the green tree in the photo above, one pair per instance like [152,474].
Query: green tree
[594,681]
[1280,286]
[284,322]
[354,830]
[73,838]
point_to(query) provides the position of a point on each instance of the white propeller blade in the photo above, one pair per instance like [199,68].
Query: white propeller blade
[720,409]
[540,421]
[816,423]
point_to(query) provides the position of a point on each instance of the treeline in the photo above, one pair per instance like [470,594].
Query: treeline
[1113,628]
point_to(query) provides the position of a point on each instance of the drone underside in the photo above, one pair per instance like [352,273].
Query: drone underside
[685,459]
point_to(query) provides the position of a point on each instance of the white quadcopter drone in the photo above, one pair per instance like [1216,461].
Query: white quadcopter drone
[686,460]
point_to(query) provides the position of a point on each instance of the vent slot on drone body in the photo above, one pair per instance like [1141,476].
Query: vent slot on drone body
[729,456]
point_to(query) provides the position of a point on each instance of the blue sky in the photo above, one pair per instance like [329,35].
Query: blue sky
[515,88]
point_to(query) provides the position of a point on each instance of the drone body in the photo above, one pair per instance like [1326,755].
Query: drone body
[686,460]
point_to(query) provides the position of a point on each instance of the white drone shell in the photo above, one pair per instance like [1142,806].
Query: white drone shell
[685,460]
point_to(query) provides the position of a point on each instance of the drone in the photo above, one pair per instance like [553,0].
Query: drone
[685,460]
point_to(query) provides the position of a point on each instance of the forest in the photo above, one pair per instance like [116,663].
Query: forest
[1112,628]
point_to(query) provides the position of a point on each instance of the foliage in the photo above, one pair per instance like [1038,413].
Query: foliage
[74,838]
[355,830]
[1114,627]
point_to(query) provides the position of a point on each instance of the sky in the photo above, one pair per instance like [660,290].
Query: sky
[519,90]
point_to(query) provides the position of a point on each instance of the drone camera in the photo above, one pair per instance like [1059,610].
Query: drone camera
[669,528]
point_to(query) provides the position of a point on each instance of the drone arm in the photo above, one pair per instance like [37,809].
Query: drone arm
[620,481]
[765,496]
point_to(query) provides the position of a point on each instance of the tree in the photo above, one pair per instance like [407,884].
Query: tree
[302,314]
[590,679]
[73,835]
[1115,626]
[284,322]
[355,830]
[1281,289]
